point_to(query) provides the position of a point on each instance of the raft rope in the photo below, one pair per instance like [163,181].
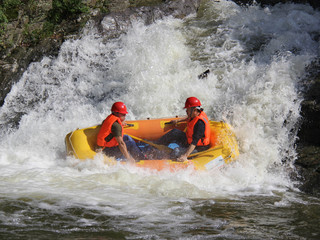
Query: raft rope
[74,152]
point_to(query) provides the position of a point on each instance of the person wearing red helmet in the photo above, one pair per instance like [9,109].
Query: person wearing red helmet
[111,139]
[197,135]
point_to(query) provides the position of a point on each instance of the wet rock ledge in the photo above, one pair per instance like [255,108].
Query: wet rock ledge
[308,145]
[314,3]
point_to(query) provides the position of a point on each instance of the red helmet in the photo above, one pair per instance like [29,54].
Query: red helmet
[192,102]
[119,107]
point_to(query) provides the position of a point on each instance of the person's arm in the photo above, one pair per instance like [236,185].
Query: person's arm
[175,121]
[116,130]
[198,133]
[123,148]
[184,157]
[98,149]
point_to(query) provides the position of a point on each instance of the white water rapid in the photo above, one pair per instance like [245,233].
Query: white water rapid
[256,58]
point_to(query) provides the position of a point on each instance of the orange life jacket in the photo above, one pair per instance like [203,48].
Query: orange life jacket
[105,131]
[190,126]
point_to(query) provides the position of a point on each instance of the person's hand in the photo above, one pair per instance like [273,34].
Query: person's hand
[98,149]
[126,125]
[131,160]
[182,158]
[174,122]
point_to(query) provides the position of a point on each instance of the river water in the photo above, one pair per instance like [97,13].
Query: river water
[256,58]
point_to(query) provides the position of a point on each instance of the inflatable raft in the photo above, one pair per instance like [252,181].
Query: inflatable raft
[223,149]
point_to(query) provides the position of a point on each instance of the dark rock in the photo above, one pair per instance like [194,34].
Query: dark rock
[308,144]
[310,129]
[314,3]
[308,166]
[20,59]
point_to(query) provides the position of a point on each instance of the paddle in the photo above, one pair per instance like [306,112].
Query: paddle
[167,149]
[160,147]
[204,152]
[177,123]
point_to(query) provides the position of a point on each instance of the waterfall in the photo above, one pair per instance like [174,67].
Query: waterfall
[256,57]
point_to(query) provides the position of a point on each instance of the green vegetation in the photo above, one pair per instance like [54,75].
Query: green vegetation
[41,22]
[10,9]
[3,20]
[36,20]
[66,9]
[139,3]
[3,23]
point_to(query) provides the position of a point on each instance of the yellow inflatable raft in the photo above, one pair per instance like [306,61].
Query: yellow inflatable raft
[81,144]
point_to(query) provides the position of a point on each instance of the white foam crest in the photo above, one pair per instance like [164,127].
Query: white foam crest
[155,65]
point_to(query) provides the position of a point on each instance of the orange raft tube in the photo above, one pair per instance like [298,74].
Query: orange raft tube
[81,144]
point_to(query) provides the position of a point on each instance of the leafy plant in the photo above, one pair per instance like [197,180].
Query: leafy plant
[3,17]
[3,22]
[11,3]
[10,8]
[66,9]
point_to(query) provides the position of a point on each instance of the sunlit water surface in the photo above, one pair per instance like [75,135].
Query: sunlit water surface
[256,57]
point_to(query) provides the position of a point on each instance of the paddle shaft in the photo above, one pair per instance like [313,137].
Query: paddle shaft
[160,147]
[204,152]
[167,149]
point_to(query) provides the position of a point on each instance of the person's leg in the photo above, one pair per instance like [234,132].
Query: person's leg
[181,150]
[200,149]
[132,147]
[174,136]
[114,152]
